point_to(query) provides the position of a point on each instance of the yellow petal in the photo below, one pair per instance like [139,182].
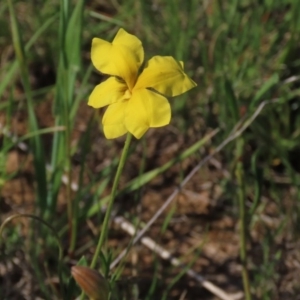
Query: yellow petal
[165,75]
[123,38]
[107,92]
[113,120]
[122,57]
[146,109]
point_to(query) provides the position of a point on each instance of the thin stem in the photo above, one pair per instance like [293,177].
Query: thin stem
[70,213]
[86,139]
[70,209]
[37,147]
[104,229]
[243,218]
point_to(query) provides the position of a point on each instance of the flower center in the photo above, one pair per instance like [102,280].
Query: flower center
[127,95]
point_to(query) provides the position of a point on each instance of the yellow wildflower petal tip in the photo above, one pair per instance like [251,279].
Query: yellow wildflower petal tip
[165,75]
[123,57]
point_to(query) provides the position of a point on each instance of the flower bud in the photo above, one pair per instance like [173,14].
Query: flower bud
[91,282]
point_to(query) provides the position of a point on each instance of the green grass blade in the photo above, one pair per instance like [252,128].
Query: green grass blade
[265,88]
[70,30]
[36,144]
[10,73]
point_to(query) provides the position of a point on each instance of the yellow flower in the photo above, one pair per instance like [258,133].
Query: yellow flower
[136,99]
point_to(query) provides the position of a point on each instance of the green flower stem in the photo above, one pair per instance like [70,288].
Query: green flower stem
[104,229]
[243,218]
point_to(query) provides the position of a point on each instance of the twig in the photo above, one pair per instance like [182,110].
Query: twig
[163,253]
[240,127]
